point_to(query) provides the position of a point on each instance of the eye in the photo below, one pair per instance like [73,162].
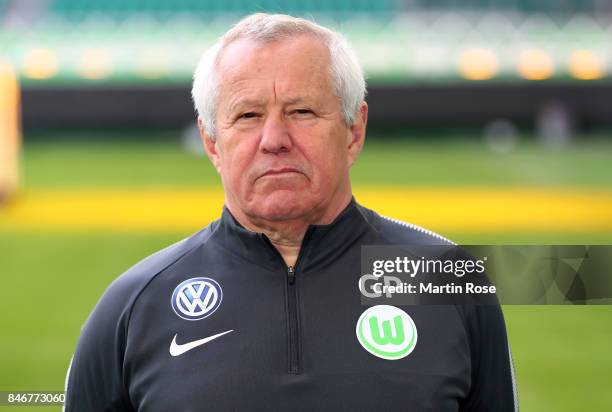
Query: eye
[302,112]
[248,115]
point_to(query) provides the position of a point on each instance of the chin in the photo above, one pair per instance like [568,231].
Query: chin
[282,205]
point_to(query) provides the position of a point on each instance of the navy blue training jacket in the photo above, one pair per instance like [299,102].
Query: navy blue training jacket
[218,322]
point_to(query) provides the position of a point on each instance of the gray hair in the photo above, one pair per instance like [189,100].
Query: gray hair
[346,73]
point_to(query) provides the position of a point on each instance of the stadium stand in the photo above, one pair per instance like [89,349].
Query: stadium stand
[407,41]
[483,49]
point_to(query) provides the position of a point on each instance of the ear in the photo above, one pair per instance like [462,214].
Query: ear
[210,146]
[357,133]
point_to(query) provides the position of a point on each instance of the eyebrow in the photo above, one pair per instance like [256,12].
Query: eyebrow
[242,103]
[295,100]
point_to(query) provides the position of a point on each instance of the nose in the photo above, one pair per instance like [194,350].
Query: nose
[275,136]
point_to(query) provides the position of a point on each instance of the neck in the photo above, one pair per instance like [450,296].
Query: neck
[287,235]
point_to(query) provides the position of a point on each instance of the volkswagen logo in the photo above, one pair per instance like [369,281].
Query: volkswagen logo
[196,298]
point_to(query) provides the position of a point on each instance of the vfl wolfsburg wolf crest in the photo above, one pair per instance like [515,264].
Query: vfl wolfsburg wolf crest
[387,332]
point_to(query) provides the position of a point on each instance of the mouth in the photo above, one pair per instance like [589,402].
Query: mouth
[280,172]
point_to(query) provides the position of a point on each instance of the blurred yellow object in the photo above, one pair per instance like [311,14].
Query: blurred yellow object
[95,64]
[535,64]
[443,209]
[586,65]
[10,133]
[478,64]
[40,64]
[153,64]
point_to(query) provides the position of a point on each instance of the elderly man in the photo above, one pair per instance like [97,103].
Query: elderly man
[258,311]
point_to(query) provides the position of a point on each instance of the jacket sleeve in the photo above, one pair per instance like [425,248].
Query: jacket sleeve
[493,384]
[95,380]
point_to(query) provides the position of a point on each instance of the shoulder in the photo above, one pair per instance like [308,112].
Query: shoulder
[396,231]
[96,379]
[124,290]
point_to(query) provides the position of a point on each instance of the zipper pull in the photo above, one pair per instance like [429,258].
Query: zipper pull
[291,274]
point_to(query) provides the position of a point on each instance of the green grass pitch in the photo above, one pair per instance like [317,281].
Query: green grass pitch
[51,281]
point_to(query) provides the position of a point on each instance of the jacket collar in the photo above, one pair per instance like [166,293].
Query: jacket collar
[321,242]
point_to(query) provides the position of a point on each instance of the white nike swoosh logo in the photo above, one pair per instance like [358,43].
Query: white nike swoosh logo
[176,349]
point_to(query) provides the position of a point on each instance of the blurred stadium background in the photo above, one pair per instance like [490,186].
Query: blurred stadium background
[490,123]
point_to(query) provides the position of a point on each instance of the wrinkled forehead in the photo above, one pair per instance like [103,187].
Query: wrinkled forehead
[302,59]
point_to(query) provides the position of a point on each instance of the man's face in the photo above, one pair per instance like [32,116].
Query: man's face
[282,148]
